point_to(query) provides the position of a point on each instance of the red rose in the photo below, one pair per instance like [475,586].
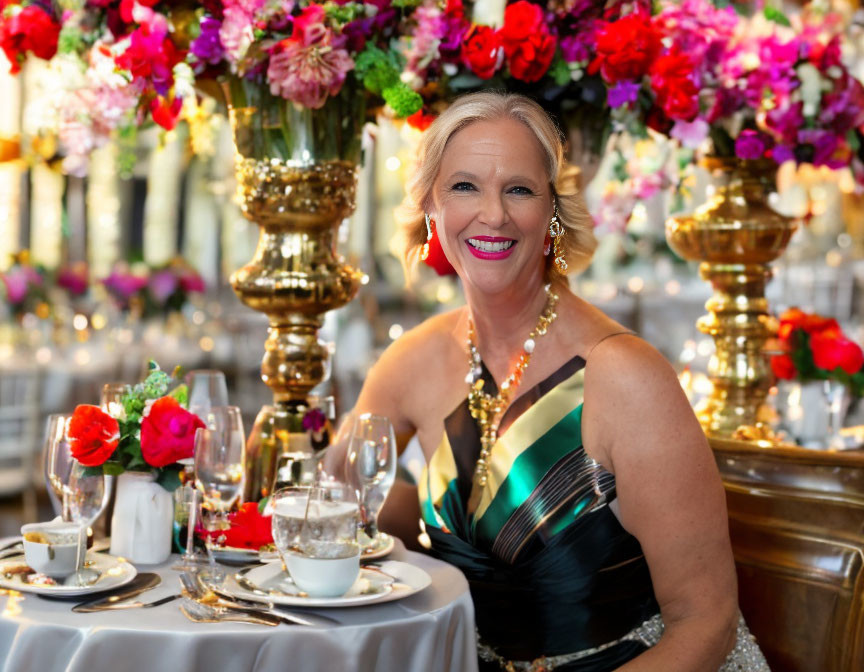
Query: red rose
[527,42]
[672,81]
[481,51]
[249,529]
[93,435]
[783,367]
[794,318]
[625,48]
[168,433]
[31,29]
[831,352]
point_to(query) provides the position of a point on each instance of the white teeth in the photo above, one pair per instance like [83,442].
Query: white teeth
[486,246]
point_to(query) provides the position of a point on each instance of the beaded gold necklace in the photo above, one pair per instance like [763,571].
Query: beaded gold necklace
[486,409]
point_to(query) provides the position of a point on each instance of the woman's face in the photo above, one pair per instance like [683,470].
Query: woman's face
[492,204]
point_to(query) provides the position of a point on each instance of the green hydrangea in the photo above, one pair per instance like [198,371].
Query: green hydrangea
[403,100]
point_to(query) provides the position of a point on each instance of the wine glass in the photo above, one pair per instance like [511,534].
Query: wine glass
[55,433]
[112,396]
[219,455]
[371,466]
[330,525]
[289,511]
[207,388]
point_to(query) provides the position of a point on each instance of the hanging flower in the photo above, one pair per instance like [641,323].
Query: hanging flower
[168,433]
[626,48]
[311,64]
[482,51]
[29,29]
[93,435]
[527,42]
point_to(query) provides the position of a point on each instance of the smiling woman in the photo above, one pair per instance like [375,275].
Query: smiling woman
[567,476]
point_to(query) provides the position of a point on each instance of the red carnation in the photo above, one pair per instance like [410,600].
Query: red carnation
[625,48]
[783,367]
[249,529]
[527,42]
[831,352]
[481,51]
[672,80]
[420,120]
[794,318]
[31,29]
[168,433]
[166,111]
[93,435]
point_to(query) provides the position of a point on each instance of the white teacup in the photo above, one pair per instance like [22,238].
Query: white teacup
[57,556]
[323,577]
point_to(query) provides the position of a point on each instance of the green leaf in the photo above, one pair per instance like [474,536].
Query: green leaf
[560,72]
[853,140]
[112,469]
[169,478]
[263,505]
[93,471]
[775,15]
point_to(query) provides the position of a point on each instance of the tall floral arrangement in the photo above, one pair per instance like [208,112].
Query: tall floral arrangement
[759,86]
[23,287]
[150,429]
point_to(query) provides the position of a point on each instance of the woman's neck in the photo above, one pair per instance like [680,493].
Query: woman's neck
[503,321]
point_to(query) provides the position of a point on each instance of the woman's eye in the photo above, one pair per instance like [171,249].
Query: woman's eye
[522,191]
[462,186]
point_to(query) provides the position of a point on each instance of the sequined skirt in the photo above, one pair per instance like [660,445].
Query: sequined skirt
[745,657]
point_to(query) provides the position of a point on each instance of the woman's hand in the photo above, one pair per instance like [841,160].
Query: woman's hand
[639,425]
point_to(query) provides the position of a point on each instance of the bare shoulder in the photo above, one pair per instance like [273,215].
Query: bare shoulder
[634,403]
[413,371]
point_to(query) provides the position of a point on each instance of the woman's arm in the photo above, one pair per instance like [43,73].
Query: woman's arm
[639,424]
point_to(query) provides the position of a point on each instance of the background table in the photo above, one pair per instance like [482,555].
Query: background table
[429,631]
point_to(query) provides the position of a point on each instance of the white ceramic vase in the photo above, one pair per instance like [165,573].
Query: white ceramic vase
[142,522]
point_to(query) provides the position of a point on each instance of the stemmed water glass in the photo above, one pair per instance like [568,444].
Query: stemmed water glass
[330,525]
[370,466]
[219,459]
[55,433]
[207,389]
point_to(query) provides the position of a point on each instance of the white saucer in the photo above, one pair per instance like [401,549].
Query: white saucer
[114,573]
[390,581]
[382,545]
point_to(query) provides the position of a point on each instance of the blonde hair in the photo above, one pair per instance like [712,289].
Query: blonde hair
[578,241]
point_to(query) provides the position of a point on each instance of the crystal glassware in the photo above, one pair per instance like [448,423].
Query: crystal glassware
[207,388]
[55,434]
[288,507]
[370,466]
[219,466]
[112,396]
[332,518]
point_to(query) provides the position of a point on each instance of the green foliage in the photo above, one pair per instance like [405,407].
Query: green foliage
[169,478]
[404,100]
[263,505]
[344,13]
[559,71]
[775,15]
[70,40]
[378,69]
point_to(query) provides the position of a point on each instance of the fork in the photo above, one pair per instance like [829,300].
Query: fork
[203,613]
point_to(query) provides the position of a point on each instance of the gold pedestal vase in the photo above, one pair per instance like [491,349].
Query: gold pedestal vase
[296,179]
[735,235]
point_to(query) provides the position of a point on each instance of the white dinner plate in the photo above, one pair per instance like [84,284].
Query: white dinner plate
[382,545]
[113,573]
[230,555]
[386,582]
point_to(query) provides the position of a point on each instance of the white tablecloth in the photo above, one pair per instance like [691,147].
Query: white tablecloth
[429,631]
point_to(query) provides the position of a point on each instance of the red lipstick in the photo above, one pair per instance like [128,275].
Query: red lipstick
[488,254]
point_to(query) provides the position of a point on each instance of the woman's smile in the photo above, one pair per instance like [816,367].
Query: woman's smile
[491,247]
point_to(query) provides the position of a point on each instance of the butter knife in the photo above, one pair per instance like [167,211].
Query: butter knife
[90,608]
[140,584]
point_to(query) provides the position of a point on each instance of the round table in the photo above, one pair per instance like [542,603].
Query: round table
[431,630]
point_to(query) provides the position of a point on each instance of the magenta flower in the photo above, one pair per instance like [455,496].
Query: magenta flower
[311,64]
[751,144]
[190,282]
[123,284]
[314,420]
[73,279]
[163,284]
[18,281]
[623,93]
[207,47]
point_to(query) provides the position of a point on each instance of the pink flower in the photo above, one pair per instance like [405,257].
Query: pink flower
[690,133]
[311,64]
[431,29]
[190,281]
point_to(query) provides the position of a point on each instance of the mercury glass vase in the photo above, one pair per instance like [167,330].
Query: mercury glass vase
[735,235]
[296,179]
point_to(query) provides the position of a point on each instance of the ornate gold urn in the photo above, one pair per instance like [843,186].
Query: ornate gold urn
[735,235]
[296,174]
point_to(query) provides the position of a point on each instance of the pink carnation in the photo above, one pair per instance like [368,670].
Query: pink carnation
[311,64]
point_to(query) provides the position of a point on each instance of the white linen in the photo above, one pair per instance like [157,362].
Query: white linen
[430,631]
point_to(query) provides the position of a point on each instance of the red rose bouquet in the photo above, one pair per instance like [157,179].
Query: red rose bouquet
[815,348]
[149,429]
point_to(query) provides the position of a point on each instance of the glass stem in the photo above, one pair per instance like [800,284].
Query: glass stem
[190,526]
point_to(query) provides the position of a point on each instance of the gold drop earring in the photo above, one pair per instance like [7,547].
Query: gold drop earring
[556,230]
[424,252]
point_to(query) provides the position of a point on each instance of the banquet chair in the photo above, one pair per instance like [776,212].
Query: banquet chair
[19,435]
